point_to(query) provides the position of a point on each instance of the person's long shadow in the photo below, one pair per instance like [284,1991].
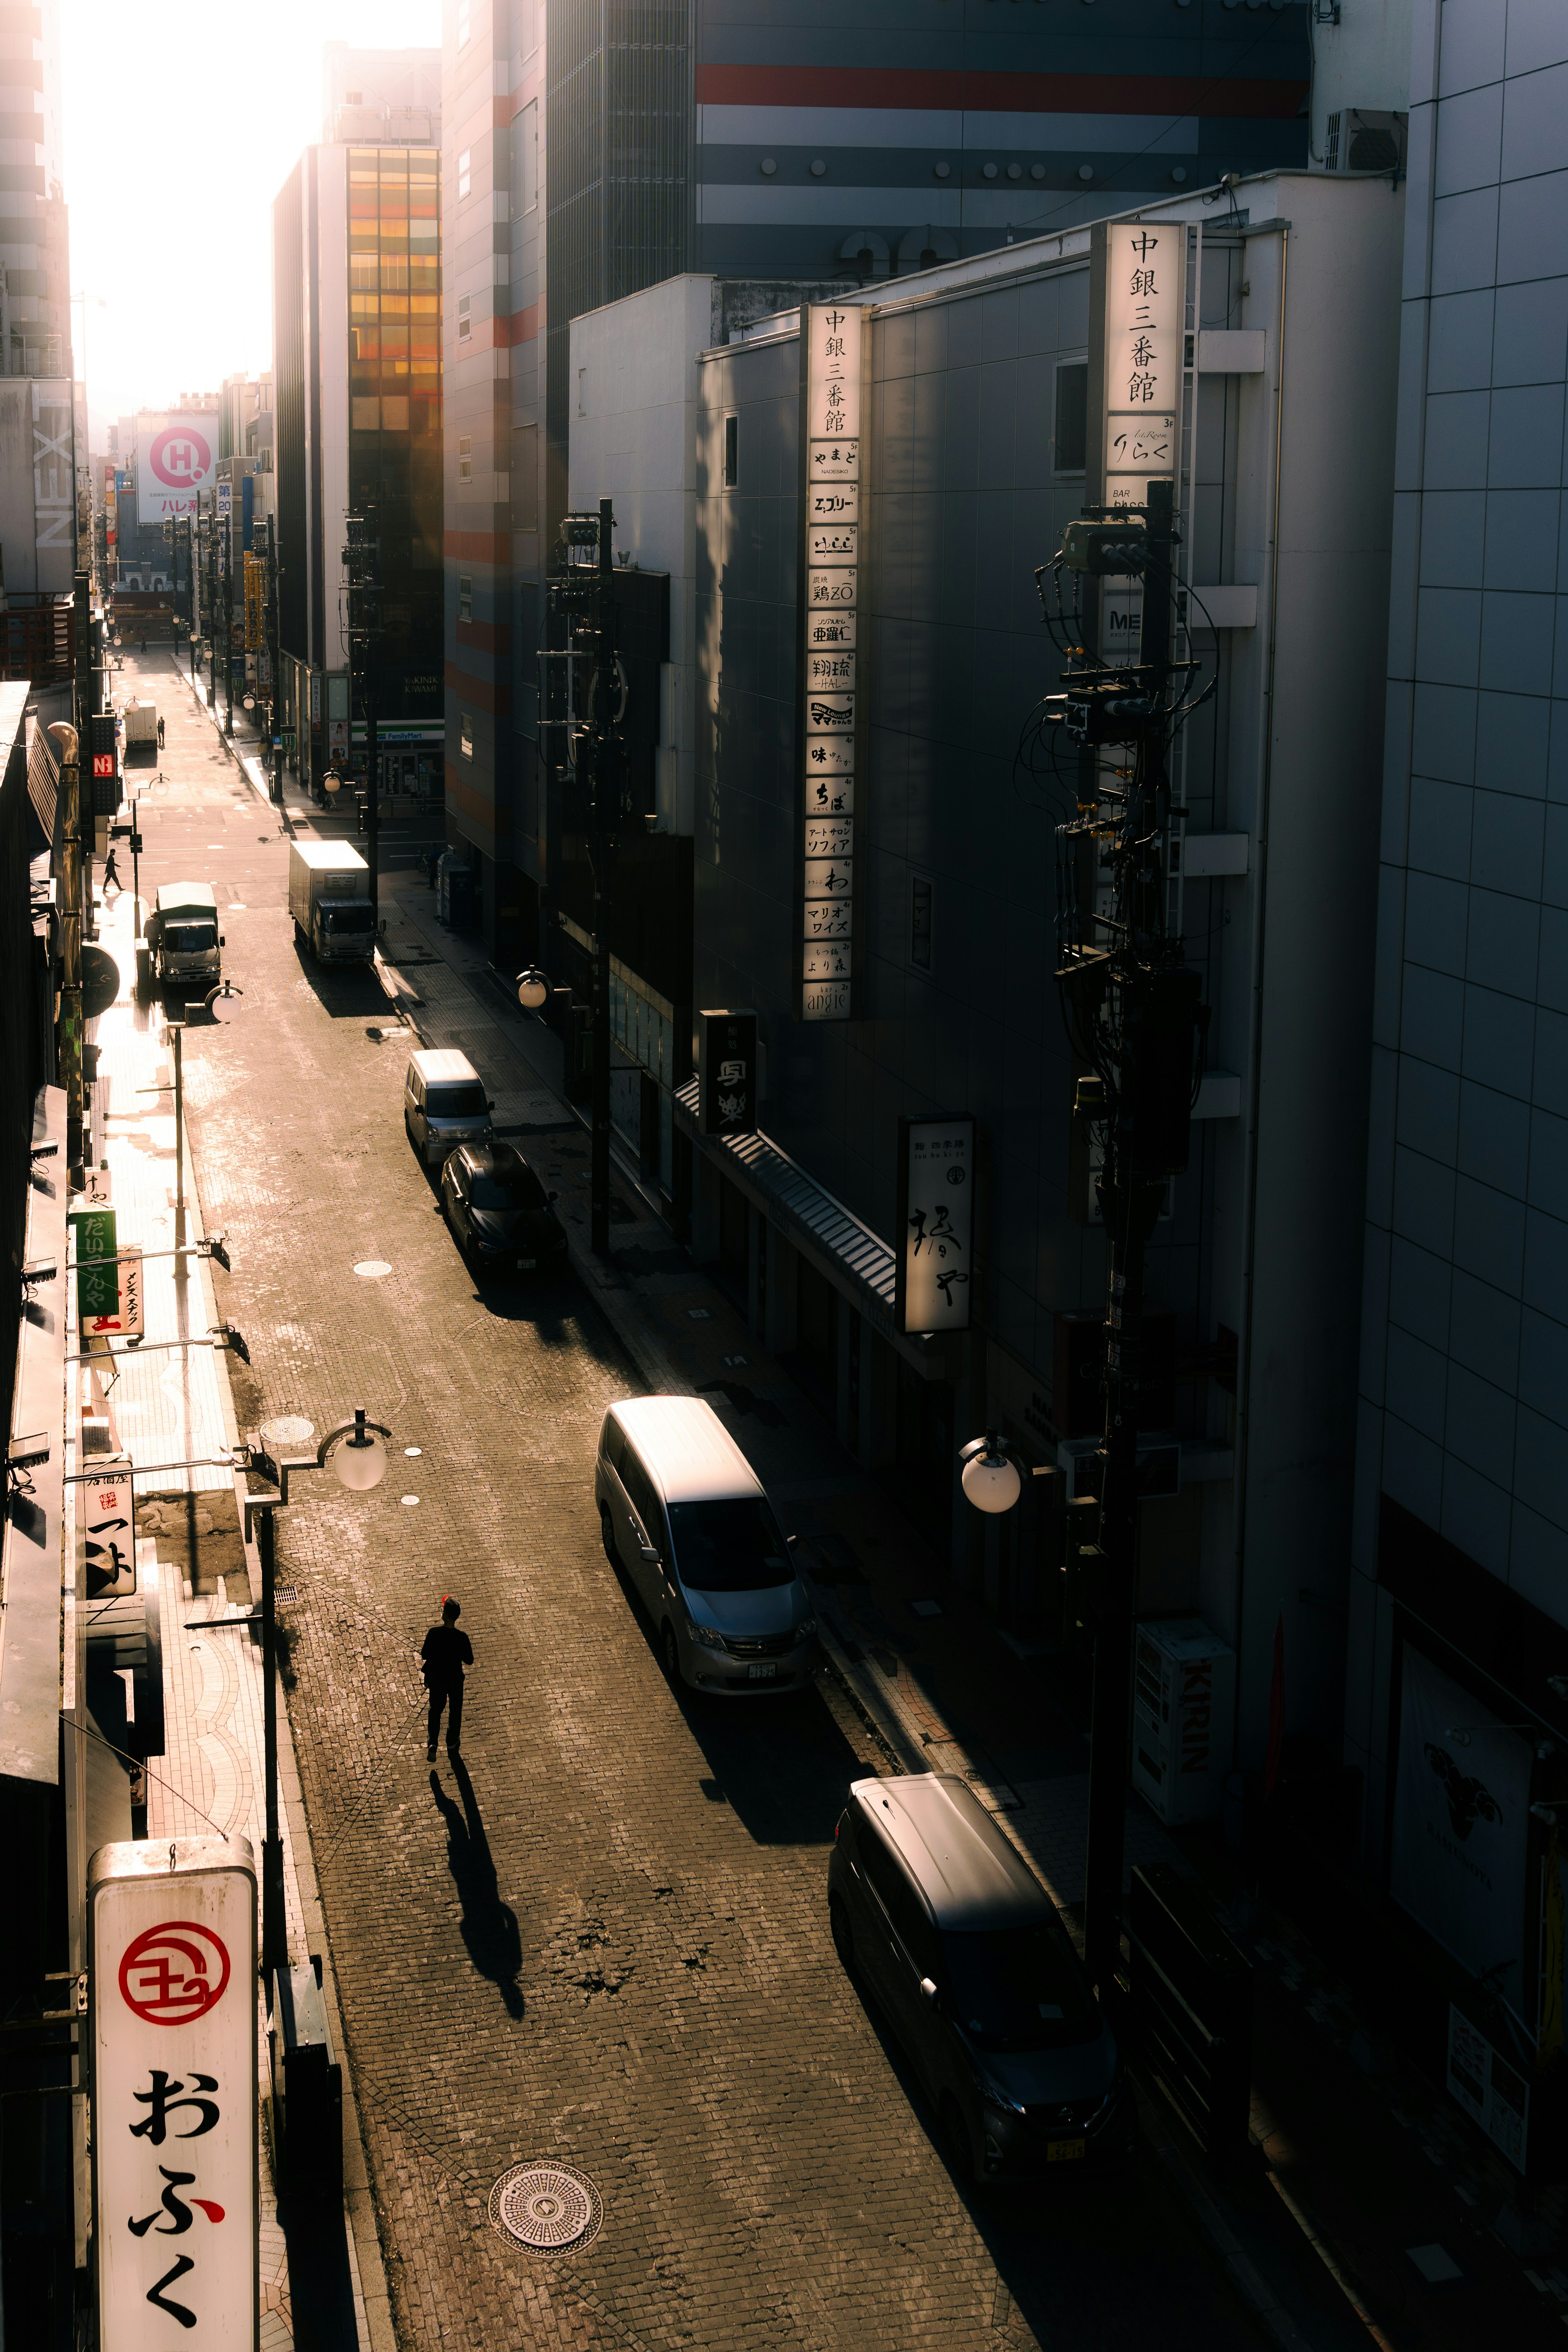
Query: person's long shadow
[488,1928]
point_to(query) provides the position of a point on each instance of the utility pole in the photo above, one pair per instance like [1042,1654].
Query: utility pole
[363,630]
[70,1029]
[274,667]
[226,524]
[81,600]
[1134,1018]
[580,605]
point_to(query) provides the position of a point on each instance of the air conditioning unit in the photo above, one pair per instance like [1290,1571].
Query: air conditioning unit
[1183,1699]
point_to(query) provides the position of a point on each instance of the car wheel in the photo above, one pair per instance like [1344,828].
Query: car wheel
[957,2142]
[670,1650]
[842,1933]
[606,1529]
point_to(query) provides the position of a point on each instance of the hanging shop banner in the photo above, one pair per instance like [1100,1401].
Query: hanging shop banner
[172,1977]
[1461,1813]
[106,1529]
[255,603]
[173,464]
[97,1286]
[830,716]
[936,1224]
[123,1321]
[727,1073]
[111,507]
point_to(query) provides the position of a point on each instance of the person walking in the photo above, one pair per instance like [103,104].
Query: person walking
[160,734]
[445,1653]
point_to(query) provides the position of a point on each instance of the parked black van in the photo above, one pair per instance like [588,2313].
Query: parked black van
[965,1953]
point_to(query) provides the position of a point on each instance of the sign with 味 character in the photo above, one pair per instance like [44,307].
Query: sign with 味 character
[173,1976]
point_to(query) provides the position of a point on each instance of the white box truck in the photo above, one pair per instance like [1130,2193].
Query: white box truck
[141,729]
[182,937]
[329,897]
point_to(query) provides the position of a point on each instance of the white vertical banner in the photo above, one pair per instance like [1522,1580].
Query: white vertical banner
[831,577]
[1461,1827]
[936,1224]
[174,2153]
[1145,334]
[106,1530]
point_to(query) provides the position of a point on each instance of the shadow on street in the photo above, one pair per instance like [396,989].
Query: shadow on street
[488,1929]
[320,2289]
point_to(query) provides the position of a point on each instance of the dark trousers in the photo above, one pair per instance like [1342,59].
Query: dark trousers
[440,1695]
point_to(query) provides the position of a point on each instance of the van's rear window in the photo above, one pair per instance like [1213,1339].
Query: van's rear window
[730,1546]
[455,1102]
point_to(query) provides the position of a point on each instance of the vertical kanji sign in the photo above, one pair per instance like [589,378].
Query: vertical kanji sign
[830,575]
[934,1275]
[175,2094]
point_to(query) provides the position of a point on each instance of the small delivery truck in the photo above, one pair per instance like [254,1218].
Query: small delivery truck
[140,730]
[329,897]
[183,936]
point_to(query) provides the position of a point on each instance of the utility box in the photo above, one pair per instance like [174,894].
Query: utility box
[307,2084]
[1183,1698]
[454,892]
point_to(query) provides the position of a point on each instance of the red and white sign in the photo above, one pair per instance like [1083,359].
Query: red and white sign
[175,2094]
[106,1529]
[127,1323]
[176,461]
[103,763]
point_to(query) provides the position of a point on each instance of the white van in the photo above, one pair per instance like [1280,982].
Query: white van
[444,1104]
[685,1515]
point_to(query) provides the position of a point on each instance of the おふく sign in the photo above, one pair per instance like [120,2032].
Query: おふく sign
[174,2094]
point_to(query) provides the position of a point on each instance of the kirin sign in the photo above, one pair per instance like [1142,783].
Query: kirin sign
[172,466]
[175,2094]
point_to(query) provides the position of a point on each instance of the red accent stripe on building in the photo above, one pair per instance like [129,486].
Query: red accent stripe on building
[477,546]
[518,326]
[491,695]
[486,637]
[461,794]
[924,87]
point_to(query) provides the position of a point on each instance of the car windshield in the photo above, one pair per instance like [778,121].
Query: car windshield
[456,1101]
[189,938]
[730,1546]
[1019,1988]
[354,916]
[511,1188]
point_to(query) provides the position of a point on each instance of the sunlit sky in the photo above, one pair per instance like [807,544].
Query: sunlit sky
[181,122]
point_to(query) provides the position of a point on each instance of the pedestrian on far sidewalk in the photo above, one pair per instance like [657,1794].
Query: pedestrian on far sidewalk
[446,1653]
[160,734]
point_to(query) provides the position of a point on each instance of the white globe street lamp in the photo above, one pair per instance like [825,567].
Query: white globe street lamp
[532,989]
[990,1476]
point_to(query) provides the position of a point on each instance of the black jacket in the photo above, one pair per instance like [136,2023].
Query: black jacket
[446,1653]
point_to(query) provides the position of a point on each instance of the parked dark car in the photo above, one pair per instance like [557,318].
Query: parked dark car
[931,1906]
[499,1212]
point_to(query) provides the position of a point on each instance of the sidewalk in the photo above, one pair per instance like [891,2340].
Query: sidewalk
[1370,2209]
[170,1407]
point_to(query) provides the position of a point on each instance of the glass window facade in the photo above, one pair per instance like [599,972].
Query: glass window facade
[395,406]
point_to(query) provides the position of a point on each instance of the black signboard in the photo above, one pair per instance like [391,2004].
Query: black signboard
[727,1073]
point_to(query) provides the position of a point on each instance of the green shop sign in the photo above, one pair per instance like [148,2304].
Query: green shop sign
[97,1286]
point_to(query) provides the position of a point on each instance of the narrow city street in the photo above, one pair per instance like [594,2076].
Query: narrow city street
[602,1938]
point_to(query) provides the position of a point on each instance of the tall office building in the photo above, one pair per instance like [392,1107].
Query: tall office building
[35,262]
[1457,1710]
[357,395]
[596,147]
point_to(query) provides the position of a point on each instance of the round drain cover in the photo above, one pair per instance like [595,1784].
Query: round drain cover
[550,2208]
[373,1268]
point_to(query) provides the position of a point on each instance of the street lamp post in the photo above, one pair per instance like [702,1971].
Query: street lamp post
[356,1451]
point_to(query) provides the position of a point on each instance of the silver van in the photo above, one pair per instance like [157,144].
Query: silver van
[936,1912]
[444,1104]
[684,1514]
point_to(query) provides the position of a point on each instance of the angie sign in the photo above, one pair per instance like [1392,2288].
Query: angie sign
[174,2094]
[173,464]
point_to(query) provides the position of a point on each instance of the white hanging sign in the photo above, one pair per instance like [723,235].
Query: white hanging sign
[936,1224]
[1145,323]
[831,582]
[173,1972]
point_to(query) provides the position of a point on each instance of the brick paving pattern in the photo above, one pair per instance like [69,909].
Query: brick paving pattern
[604,1940]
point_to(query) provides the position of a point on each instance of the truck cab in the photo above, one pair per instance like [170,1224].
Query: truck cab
[184,937]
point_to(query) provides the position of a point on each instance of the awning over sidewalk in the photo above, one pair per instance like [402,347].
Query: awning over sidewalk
[804,1211]
[31,1559]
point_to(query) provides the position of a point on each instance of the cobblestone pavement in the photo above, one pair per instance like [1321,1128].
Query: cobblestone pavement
[604,1940]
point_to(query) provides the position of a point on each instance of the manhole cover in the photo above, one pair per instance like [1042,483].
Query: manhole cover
[550,2208]
[373,1268]
[286,1433]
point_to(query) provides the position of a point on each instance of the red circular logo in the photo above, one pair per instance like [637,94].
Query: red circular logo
[180,456]
[173,1974]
